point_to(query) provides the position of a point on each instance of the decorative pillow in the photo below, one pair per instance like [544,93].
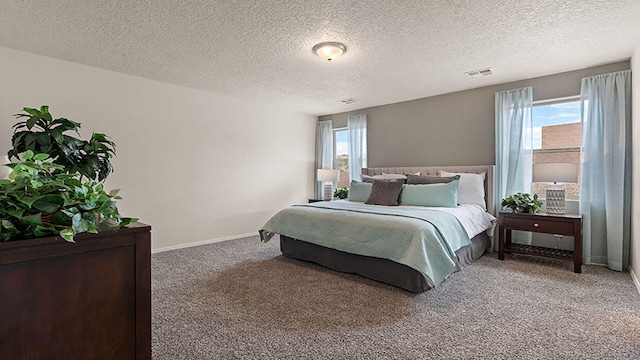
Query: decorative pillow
[470,189]
[437,194]
[385,192]
[413,179]
[359,191]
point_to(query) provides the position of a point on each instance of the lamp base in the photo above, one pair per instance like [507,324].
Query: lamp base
[328,191]
[555,200]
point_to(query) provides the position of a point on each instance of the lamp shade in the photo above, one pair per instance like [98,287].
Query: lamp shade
[328,175]
[555,172]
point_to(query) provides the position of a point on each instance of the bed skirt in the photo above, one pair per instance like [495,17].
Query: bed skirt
[383,270]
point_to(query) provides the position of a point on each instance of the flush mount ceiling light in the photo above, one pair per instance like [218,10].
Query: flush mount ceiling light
[329,50]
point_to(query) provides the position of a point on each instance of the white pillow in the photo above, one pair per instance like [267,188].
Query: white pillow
[470,188]
[387,176]
[393,176]
[384,176]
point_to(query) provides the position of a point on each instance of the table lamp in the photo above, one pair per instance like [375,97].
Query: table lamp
[328,177]
[555,173]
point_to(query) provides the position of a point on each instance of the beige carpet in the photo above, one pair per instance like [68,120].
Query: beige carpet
[242,299]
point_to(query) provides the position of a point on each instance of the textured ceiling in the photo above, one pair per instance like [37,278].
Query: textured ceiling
[261,50]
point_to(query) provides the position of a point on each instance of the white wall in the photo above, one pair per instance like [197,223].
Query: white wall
[635,158]
[194,165]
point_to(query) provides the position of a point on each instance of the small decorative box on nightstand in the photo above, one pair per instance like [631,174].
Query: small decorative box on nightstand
[560,224]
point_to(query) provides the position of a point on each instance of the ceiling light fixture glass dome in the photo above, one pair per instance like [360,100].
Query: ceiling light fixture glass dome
[329,50]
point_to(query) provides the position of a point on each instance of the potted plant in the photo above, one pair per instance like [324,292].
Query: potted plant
[41,133]
[522,203]
[56,188]
[41,199]
[341,193]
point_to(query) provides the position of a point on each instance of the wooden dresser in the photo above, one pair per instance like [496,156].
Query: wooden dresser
[88,300]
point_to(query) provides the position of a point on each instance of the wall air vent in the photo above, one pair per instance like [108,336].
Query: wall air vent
[348,101]
[479,73]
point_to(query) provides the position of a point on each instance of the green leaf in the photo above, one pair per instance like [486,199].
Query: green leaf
[36,184]
[78,224]
[67,234]
[60,218]
[87,206]
[35,219]
[41,156]
[15,212]
[40,231]
[57,135]
[27,155]
[49,203]
[32,121]
[126,221]
[29,200]
[31,111]
[46,116]
[8,225]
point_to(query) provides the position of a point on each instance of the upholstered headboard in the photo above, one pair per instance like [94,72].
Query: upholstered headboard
[433,171]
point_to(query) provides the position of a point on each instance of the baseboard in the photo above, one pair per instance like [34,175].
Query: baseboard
[203,242]
[636,281]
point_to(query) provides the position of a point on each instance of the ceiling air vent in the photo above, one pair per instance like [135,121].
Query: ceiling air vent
[348,101]
[479,73]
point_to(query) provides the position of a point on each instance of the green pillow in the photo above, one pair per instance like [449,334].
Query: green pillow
[436,195]
[359,191]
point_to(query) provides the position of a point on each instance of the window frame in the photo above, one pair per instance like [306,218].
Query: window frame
[547,102]
[335,154]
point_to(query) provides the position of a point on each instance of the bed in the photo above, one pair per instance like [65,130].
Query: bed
[408,246]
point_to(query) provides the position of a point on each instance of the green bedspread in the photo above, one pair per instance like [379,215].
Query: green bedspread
[423,239]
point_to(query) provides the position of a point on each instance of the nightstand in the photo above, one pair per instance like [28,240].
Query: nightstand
[315,200]
[560,224]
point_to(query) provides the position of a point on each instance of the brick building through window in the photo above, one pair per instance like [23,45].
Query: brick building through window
[559,143]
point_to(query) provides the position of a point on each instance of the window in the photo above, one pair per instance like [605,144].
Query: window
[556,138]
[341,151]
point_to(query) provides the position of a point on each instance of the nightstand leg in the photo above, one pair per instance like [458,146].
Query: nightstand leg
[577,247]
[501,243]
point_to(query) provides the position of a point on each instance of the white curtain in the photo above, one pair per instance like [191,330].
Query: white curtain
[605,185]
[357,129]
[324,150]
[514,147]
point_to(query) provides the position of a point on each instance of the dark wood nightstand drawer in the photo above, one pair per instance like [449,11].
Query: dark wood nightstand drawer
[539,225]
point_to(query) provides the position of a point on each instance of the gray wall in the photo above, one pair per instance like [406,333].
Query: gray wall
[452,129]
